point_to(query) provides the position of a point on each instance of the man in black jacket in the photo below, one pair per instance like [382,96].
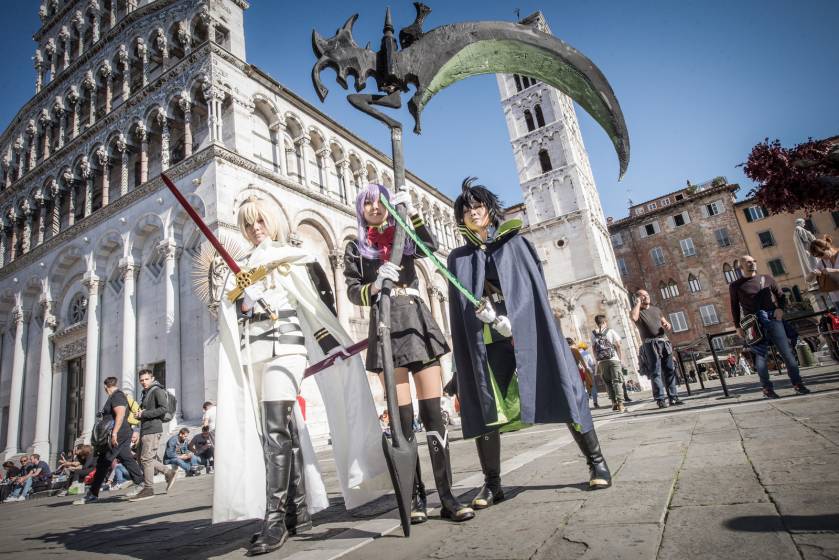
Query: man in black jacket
[153,405]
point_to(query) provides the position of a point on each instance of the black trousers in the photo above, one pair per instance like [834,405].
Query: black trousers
[121,452]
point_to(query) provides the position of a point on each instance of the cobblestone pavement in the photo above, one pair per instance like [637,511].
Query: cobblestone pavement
[740,477]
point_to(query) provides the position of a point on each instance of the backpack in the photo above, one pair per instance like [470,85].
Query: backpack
[603,347]
[171,406]
[133,408]
[100,437]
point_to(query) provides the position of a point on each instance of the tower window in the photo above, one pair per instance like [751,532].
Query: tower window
[545,161]
[540,118]
[517,78]
[528,118]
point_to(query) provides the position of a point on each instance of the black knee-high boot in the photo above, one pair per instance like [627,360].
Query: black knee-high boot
[438,448]
[277,449]
[297,519]
[418,499]
[599,475]
[489,454]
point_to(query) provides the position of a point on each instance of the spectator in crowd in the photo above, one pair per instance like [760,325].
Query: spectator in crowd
[202,447]
[744,364]
[759,295]
[692,376]
[606,345]
[118,446]
[732,365]
[12,472]
[656,354]
[79,467]
[153,406]
[33,471]
[178,453]
[118,477]
[384,422]
[209,418]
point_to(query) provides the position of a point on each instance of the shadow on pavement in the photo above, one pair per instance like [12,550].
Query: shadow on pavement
[136,538]
[769,523]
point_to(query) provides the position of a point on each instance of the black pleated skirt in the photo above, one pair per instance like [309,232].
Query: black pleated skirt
[414,334]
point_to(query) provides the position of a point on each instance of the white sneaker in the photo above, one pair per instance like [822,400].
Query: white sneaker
[134,491]
[123,485]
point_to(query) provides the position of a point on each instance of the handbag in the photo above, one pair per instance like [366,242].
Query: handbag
[751,330]
[826,282]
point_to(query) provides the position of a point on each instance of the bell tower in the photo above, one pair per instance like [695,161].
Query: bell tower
[561,210]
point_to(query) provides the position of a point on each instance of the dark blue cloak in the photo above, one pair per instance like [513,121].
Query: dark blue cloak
[549,382]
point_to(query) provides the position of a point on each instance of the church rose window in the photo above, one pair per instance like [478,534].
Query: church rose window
[78,309]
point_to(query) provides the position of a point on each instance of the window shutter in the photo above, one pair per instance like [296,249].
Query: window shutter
[704,211]
[642,232]
[686,216]
[720,206]
[671,224]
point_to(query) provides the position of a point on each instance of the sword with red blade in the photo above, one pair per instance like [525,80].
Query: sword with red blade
[244,278]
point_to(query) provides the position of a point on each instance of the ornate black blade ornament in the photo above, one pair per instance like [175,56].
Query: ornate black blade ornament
[432,61]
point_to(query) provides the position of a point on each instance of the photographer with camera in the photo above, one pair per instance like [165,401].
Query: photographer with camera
[655,358]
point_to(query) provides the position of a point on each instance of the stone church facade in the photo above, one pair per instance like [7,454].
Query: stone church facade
[97,258]
[561,209]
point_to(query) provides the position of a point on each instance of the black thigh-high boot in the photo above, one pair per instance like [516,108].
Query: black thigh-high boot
[277,449]
[297,518]
[418,499]
[438,448]
[599,475]
[489,454]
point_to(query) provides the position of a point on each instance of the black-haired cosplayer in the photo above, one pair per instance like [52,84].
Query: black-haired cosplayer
[416,339]
[519,370]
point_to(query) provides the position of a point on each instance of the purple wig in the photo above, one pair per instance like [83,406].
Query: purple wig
[369,193]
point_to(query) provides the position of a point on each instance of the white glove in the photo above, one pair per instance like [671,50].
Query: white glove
[403,196]
[502,326]
[388,271]
[485,313]
[253,293]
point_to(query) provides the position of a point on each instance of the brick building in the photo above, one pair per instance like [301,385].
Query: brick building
[683,248]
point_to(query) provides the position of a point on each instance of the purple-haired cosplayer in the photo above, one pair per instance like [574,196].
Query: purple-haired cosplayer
[416,339]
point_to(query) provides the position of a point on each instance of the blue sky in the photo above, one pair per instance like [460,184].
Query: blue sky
[699,82]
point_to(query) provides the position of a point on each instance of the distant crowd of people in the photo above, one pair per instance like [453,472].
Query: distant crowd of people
[123,451]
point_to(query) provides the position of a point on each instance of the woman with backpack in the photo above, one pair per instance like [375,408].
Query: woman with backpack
[606,345]
[826,271]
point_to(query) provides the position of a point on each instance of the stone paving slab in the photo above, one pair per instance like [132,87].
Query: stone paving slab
[754,531]
[616,542]
[807,507]
[818,546]
[736,484]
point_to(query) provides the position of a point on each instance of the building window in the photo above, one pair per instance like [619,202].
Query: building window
[622,266]
[722,237]
[540,118]
[665,202]
[729,273]
[545,161]
[678,321]
[713,209]
[649,229]
[766,239]
[680,219]
[718,344]
[776,267]
[693,284]
[679,197]
[657,255]
[617,239]
[709,315]
[651,206]
[528,119]
[639,210]
[78,309]
[662,288]
[517,78]
[754,213]
[688,249]
[669,290]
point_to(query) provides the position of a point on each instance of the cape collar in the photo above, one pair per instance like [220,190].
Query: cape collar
[505,231]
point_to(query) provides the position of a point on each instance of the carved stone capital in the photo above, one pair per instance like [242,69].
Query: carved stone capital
[167,249]
[102,156]
[44,118]
[336,257]
[142,49]
[141,132]
[89,82]
[91,282]
[73,96]
[127,268]
[68,176]
[85,167]
[185,103]
[38,60]
[50,48]
[105,70]
[121,143]
[183,35]
[294,239]
[122,55]
[19,316]
[31,128]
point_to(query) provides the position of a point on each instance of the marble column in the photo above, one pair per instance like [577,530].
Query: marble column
[26,237]
[105,164]
[342,304]
[64,37]
[143,55]
[55,218]
[91,372]
[52,52]
[164,141]
[41,202]
[124,60]
[304,142]
[170,252]
[215,98]
[129,270]
[108,76]
[39,71]
[87,181]
[122,148]
[59,112]
[71,204]
[143,137]
[20,320]
[73,101]
[41,443]
[187,130]
[2,244]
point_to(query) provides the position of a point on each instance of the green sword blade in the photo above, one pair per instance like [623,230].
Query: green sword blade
[437,264]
